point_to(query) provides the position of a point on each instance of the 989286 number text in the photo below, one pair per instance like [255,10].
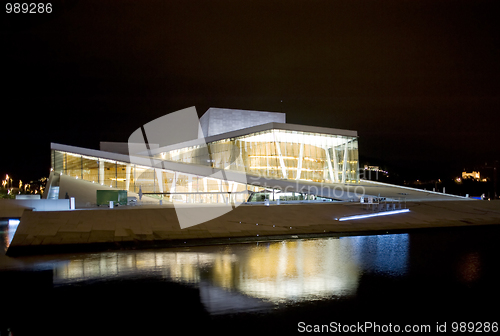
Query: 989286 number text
[32,8]
[474,327]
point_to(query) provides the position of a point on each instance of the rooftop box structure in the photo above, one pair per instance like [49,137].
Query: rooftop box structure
[222,120]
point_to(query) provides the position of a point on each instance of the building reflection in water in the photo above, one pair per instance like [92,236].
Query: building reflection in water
[299,269]
[9,227]
[290,270]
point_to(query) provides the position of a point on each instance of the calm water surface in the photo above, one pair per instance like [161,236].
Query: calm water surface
[426,276]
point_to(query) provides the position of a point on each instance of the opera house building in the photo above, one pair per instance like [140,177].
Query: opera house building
[235,151]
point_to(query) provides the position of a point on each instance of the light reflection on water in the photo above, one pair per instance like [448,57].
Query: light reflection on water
[290,270]
[298,270]
[382,253]
[373,277]
[7,230]
[243,276]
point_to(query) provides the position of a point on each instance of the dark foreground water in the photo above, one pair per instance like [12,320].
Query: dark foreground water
[423,279]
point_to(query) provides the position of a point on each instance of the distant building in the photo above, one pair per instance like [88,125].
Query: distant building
[373,168]
[367,172]
[474,175]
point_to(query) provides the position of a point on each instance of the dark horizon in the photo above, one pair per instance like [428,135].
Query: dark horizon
[418,81]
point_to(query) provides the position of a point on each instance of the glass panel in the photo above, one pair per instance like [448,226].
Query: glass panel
[145,179]
[168,177]
[121,176]
[90,171]
[109,173]
[58,159]
[73,165]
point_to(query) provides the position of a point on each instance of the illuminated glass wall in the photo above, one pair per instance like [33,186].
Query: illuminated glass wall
[280,154]
[164,184]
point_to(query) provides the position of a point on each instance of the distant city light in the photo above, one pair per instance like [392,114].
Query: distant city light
[375,169]
[474,175]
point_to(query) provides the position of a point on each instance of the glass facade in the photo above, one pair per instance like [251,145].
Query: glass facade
[171,186]
[279,154]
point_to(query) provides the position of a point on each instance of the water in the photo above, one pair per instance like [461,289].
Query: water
[426,276]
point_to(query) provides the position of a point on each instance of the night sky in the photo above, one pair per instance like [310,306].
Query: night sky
[418,80]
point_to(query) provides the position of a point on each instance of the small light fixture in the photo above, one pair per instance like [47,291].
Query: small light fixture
[385,213]
[14,221]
